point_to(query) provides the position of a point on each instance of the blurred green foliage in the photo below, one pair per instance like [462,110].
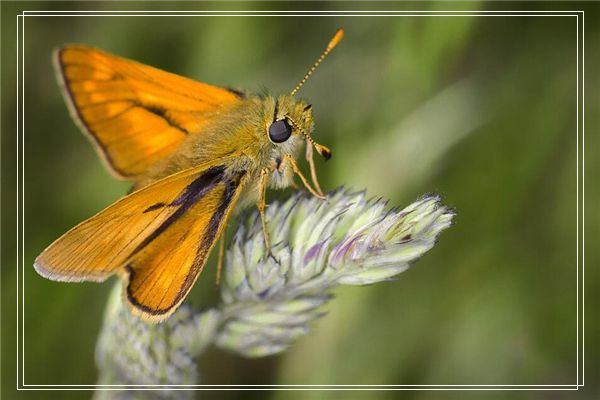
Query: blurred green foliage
[479,109]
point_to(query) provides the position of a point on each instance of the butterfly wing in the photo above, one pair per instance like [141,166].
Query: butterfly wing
[157,239]
[136,114]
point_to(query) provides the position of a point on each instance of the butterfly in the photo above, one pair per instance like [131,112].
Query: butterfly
[194,153]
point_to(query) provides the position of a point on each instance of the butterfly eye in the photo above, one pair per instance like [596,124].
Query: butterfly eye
[280,131]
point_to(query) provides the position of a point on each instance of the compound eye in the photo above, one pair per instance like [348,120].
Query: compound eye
[280,131]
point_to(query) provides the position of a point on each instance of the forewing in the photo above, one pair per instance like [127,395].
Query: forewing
[157,238]
[164,269]
[136,114]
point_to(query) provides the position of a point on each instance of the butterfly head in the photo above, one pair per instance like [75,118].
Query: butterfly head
[293,122]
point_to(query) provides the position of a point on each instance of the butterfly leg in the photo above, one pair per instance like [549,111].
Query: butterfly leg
[313,170]
[290,159]
[264,179]
[220,258]
[280,167]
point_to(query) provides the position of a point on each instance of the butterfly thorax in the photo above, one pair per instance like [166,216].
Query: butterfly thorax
[239,136]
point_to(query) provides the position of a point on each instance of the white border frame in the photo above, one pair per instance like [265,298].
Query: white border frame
[387,13]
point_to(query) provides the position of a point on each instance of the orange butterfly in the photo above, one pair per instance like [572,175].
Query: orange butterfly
[193,152]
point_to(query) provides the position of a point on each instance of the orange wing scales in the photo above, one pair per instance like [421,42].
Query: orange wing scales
[158,250]
[136,114]
[147,276]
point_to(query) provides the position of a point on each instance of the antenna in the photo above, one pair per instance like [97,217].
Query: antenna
[321,149]
[339,34]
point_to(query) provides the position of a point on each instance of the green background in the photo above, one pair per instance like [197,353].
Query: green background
[479,109]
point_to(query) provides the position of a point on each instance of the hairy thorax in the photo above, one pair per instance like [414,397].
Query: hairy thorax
[238,139]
